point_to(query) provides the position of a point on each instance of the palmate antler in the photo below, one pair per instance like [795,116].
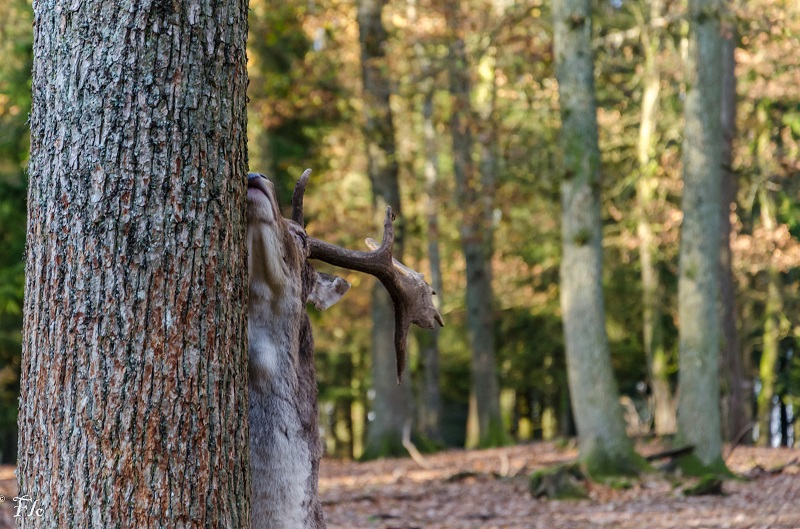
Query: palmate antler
[411,295]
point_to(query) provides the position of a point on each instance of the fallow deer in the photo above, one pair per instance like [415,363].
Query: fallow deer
[285,447]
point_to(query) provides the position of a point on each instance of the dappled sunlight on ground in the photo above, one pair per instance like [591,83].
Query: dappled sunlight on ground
[489,489]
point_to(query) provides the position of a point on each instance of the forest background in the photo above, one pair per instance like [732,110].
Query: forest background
[307,109]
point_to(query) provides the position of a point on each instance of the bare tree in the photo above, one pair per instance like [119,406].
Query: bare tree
[732,363]
[132,411]
[475,237]
[604,446]
[429,400]
[698,282]
[646,187]
[430,408]
[392,402]
[770,343]
[284,438]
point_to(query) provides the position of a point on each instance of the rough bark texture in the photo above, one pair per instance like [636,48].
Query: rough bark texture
[698,283]
[663,405]
[132,412]
[604,447]
[475,239]
[391,404]
[738,388]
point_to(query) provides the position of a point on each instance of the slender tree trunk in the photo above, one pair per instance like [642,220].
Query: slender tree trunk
[488,139]
[429,401]
[475,240]
[604,447]
[771,338]
[737,390]
[486,91]
[663,405]
[431,405]
[784,420]
[698,284]
[358,410]
[133,410]
[391,404]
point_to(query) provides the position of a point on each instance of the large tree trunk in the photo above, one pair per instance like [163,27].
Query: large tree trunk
[133,410]
[663,405]
[738,387]
[604,447]
[698,284]
[475,239]
[391,404]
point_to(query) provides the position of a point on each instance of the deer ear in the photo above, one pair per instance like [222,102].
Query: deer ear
[327,290]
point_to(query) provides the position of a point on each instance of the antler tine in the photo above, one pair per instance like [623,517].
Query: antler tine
[297,197]
[372,244]
[373,263]
[411,295]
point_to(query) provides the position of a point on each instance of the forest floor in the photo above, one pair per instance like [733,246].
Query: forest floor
[488,489]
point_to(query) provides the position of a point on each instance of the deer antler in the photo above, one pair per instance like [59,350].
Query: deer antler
[411,295]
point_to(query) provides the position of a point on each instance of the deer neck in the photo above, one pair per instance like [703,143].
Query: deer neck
[284,440]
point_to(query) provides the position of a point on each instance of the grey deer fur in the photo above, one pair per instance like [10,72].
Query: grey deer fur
[285,447]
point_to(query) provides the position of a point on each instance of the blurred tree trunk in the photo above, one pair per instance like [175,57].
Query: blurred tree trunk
[737,390]
[429,400]
[646,186]
[771,339]
[475,239]
[15,94]
[392,400]
[259,149]
[698,283]
[604,446]
[430,408]
[133,410]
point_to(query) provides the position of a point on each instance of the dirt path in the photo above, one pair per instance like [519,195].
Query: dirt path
[488,489]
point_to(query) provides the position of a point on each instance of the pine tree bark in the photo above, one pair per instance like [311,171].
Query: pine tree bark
[604,446]
[392,401]
[646,185]
[133,410]
[738,386]
[698,283]
[475,239]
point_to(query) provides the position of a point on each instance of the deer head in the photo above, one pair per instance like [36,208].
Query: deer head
[278,253]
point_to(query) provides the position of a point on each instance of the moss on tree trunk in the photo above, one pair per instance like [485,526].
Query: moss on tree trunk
[698,283]
[604,446]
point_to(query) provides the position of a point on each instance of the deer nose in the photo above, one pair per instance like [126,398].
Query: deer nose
[260,181]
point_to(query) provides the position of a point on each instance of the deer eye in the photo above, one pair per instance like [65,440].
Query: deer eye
[300,236]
